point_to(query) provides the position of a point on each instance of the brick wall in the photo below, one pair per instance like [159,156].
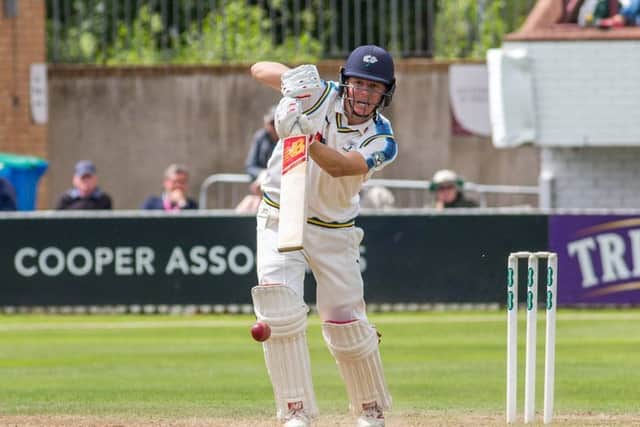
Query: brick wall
[594,177]
[586,92]
[587,102]
[22,42]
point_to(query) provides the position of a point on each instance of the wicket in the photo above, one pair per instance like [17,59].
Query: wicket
[512,334]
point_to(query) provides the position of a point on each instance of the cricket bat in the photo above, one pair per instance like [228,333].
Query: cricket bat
[293,193]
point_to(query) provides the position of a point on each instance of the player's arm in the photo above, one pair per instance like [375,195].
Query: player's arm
[302,83]
[336,163]
[269,73]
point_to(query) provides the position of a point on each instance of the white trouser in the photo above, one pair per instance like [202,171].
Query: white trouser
[333,254]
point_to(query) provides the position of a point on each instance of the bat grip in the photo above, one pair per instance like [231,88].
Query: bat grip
[297,122]
[295,125]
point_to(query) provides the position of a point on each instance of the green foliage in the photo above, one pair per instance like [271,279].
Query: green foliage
[242,31]
[243,35]
[79,42]
[137,45]
[467,28]
[238,34]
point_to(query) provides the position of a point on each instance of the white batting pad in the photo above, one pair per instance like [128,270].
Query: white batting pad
[286,352]
[355,348]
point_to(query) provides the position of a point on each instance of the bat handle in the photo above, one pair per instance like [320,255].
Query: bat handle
[297,122]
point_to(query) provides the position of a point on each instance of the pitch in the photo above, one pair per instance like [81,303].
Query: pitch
[443,368]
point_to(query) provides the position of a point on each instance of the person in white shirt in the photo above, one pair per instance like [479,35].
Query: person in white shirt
[350,140]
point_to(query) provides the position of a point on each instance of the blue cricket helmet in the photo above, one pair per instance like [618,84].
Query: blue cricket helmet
[371,62]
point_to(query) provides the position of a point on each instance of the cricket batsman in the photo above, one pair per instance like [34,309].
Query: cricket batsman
[349,140]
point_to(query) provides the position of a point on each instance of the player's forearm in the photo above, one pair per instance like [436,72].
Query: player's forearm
[337,164]
[269,73]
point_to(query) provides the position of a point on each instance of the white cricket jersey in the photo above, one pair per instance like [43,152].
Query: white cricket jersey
[335,201]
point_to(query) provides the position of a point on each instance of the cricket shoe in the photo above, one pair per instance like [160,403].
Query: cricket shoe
[371,415]
[297,417]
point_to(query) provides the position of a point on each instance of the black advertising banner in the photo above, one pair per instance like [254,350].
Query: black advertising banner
[445,258]
[105,260]
[134,260]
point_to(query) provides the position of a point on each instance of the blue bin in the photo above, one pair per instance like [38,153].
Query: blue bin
[23,172]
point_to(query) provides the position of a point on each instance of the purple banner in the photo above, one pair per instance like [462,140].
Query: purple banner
[598,258]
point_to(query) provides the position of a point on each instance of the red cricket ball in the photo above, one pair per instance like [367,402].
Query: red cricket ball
[260,331]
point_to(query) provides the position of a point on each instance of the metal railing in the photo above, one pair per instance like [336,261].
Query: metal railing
[94,30]
[222,198]
[133,32]
[418,196]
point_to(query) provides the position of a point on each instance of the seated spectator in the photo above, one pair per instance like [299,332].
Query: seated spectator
[448,189]
[85,193]
[628,14]
[7,196]
[630,11]
[174,196]
[592,12]
[605,13]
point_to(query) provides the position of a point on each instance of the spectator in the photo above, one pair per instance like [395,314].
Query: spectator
[174,197]
[592,11]
[628,14]
[264,141]
[630,11]
[7,196]
[85,193]
[447,186]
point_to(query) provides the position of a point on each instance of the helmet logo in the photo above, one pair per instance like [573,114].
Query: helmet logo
[369,60]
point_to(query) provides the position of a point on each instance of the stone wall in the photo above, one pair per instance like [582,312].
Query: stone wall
[133,122]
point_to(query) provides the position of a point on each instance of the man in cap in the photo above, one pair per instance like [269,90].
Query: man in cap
[448,188]
[85,193]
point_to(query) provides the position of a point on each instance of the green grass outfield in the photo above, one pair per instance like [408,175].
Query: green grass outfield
[438,364]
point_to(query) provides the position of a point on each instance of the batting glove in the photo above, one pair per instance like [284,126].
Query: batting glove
[290,120]
[301,82]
